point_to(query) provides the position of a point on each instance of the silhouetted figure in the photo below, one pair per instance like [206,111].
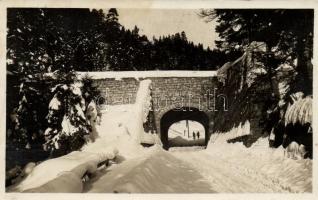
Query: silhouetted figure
[193,135]
[198,135]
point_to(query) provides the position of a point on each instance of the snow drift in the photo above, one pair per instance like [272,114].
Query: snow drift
[157,171]
[63,174]
[238,131]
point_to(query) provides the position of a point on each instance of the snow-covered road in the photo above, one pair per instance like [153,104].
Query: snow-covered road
[184,171]
[226,176]
[157,172]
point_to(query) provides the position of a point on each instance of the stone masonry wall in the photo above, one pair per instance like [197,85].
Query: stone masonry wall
[116,92]
[167,92]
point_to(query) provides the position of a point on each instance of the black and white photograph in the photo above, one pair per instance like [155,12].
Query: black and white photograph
[159,100]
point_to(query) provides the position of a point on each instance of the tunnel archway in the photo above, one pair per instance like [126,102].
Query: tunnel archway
[186,113]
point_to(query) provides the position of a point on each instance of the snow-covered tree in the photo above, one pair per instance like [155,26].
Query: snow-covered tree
[67,123]
[28,125]
[41,41]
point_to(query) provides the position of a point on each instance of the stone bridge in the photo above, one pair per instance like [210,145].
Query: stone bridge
[176,96]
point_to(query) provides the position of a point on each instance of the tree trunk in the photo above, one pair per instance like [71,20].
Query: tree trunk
[303,60]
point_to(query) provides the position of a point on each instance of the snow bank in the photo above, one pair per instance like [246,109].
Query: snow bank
[129,118]
[66,182]
[291,175]
[122,125]
[63,174]
[240,130]
[157,171]
[116,130]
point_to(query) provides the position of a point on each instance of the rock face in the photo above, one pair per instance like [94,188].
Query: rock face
[247,95]
[255,96]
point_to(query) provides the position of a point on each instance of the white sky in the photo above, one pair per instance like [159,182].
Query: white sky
[158,22]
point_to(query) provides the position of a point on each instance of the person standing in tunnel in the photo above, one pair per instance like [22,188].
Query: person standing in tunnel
[198,134]
[193,133]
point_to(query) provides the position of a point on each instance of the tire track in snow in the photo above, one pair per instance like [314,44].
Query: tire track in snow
[225,176]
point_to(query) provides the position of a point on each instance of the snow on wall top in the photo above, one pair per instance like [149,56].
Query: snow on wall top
[147,74]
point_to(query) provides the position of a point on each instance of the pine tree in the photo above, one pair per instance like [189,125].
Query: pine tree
[41,41]
[27,123]
[67,124]
[288,35]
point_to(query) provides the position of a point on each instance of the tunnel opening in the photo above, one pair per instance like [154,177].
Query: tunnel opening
[180,116]
[186,133]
